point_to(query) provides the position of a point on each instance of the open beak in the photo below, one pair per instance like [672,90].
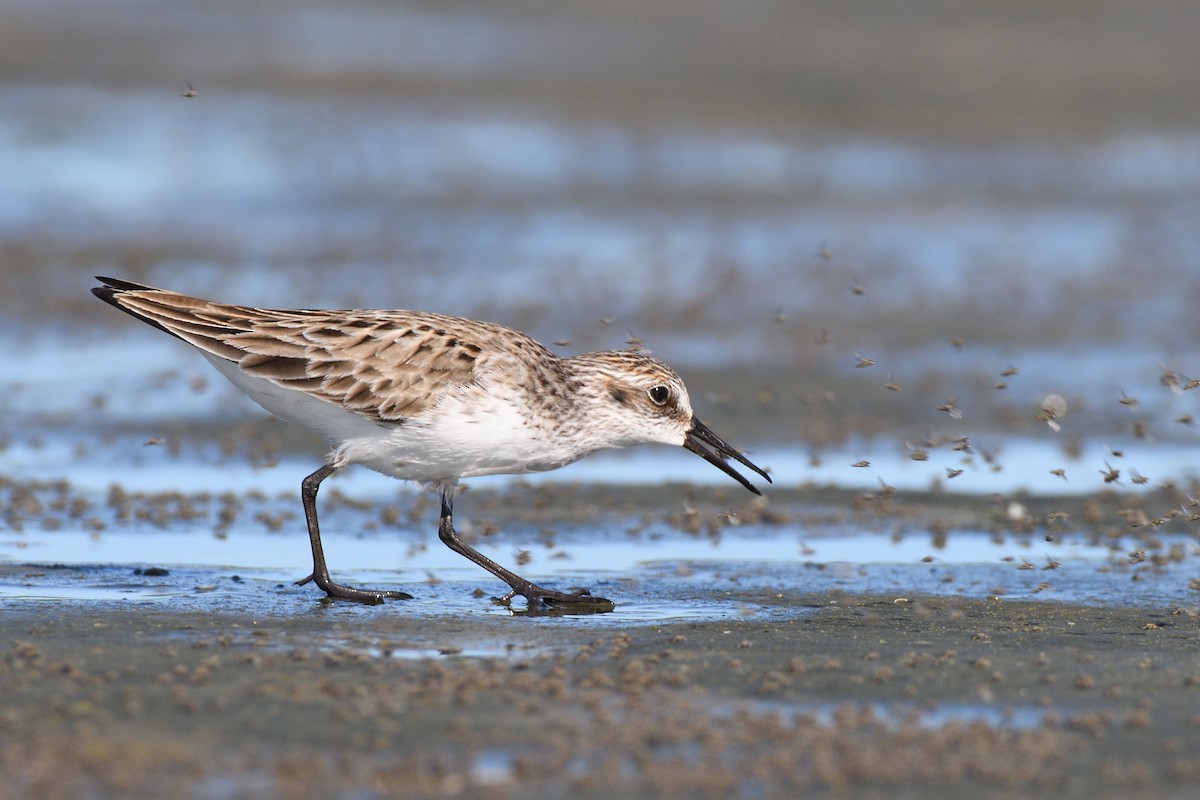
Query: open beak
[706,444]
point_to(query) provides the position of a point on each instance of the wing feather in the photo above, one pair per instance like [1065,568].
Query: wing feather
[384,365]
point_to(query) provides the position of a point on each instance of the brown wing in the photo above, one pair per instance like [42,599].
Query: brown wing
[385,365]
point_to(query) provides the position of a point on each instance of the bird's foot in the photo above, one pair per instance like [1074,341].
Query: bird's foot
[339,591]
[549,601]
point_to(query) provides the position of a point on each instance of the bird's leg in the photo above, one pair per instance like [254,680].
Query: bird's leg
[320,573]
[537,597]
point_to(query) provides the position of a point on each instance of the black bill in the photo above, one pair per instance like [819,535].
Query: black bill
[706,444]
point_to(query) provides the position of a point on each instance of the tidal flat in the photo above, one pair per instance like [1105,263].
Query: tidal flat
[751,653]
[932,264]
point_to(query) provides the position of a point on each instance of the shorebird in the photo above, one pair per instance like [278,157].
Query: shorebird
[432,398]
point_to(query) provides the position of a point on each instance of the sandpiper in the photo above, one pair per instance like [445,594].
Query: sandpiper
[432,398]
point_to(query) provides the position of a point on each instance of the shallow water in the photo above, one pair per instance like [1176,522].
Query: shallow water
[655,576]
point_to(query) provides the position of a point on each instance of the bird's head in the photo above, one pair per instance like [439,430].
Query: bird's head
[647,402]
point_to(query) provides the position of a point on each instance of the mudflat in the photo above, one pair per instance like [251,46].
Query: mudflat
[252,688]
[925,697]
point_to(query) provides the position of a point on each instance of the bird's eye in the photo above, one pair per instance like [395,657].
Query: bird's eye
[659,395]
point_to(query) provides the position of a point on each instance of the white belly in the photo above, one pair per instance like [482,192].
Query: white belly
[483,434]
[457,441]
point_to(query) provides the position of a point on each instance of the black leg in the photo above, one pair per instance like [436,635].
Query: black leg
[320,573]
[537,597]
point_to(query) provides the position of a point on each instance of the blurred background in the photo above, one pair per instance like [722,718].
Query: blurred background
[861,231]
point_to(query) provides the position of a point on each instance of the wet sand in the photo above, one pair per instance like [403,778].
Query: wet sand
[878,696]
[245,687]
